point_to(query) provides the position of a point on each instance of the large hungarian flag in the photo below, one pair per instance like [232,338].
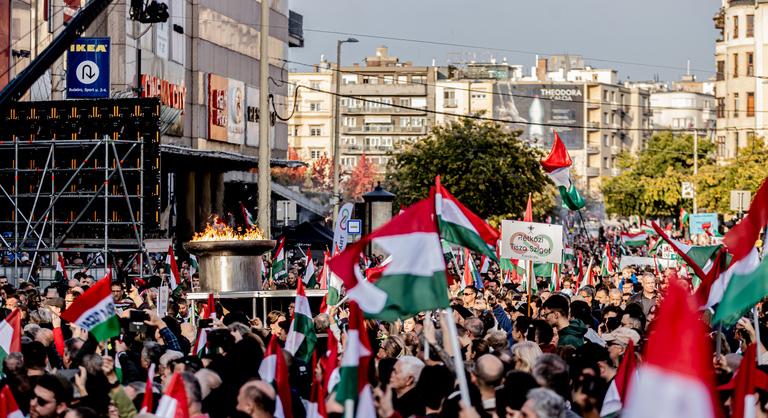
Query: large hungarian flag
[741,239]
[94,311]
[353,387]
[310,278]
[742,294]
[174,402]
[461,226]
[606,266]
[634,239]
[274,370]
[279,266]
[301,335]
[413,281]
[10,335]
[558,167]
[677,378]
[61,270]
[174,278]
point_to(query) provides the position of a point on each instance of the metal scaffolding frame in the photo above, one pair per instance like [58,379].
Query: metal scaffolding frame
[39,224]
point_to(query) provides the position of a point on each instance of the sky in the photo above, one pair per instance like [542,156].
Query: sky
[642,39]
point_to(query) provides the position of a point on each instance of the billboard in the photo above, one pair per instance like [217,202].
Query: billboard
[226,109]
[88,68]
[533,107]
[252,120]
[698,220]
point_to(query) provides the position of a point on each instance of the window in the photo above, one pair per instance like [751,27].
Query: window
[314,106]
[349,121]
[735,27]
[314,84]
[750,64]
[348,161]
[296,130]
[419,121]
[315,153]
[386,141]
[419,79]
[349,79]
[348,140]
[735,65]
[402,79]
[721,146]
[389,79]
[750,26]
[449,96]
[606,140]
[750,104]
[405,102]
[735,105]
[720,70]
[605,96]
[315,130]
[405,121]
[720,107]
[605,162]
[606,118]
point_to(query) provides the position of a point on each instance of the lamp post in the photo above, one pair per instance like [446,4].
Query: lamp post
[378,210]
[336,126]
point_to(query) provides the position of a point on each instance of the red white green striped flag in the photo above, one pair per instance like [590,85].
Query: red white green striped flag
[201,343]
[273,369]
[8,406]
[558,166]
[310,278]
[413,281]
[279,266]
[634,239]
[249,222]
[354,390]
[174,278]
[61,271]
[461,226]
[301,338]
[146,405]
[606,266]
[174,402]
[324,271]
[554,282]
[10,335]
[94,311]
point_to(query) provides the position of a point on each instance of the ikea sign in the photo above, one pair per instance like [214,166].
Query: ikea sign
[88,68]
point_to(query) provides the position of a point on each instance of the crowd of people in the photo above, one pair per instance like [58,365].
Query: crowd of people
[554,355]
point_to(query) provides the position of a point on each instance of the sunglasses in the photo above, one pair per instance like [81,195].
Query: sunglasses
[41,401]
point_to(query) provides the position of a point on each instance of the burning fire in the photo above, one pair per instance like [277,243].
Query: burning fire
[218,230]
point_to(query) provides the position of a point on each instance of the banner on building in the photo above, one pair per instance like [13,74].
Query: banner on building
[88,68]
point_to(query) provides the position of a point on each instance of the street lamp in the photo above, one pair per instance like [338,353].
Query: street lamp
[336,127]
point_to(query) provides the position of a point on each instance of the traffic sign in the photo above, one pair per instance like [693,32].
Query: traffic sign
[687,192]
[88,68]
[354,227]
[740,200]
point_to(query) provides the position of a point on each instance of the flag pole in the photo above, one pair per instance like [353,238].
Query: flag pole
[427,315]
[529,273]
[461,376]
[757,333]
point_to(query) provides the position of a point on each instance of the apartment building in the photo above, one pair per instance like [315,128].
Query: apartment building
[739,57]
[388,108]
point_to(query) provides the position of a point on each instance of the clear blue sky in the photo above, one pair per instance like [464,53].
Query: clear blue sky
[661,34]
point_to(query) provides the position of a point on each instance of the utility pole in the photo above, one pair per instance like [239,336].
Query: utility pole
[336,198]
[695,168]
[265,187]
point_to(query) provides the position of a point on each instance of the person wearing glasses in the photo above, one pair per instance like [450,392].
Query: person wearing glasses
[570,331]
[468,296]
[51,397]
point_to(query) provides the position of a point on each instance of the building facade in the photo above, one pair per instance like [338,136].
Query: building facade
[683,110]
[740,56]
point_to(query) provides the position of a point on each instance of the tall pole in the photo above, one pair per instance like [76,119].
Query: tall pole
[265,187]
[336,126]
[695,168]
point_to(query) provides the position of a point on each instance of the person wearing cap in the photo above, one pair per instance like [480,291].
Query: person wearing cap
[618,340]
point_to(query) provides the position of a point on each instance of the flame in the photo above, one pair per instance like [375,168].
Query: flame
[218,230]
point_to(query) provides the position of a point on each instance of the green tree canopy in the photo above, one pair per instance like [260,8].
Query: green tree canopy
[745,172]
[487,168]
[651,182]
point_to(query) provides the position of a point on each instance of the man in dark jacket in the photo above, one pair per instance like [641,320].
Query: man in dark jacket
[569,331]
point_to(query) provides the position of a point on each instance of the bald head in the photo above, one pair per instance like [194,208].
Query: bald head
[257,399]
[489,370]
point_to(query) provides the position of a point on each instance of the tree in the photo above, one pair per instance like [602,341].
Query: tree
[651,182]
[321,173]
[361,180]
[289,176]
[745,172]
[486,167]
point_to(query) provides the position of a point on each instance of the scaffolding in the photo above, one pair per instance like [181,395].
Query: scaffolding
[65,194]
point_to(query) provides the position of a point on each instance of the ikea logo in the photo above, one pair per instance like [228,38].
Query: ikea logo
[88,48]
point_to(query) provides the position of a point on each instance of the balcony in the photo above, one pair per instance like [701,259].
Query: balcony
[593,104]
[591,149]
[384,89]
[593,126]
[295,30]
[384,110]
[450,103]
[365,129]
[593,172]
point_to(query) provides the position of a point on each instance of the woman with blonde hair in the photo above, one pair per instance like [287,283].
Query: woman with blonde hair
[525,354]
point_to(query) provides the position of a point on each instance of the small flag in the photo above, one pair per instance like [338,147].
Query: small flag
[61,270]
[174,278]
[279,265]
[354,385]
[174,403]
[301,338]
[558,167]
[309,279]
[146,405]
[202,342]
[273,369]
[193,266]
[94,311]
[249,221]
[118,368]
[634,239]
[10,335]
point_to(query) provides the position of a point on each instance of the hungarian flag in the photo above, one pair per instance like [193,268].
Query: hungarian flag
[310,278]
[741,239]
[619,387]
[274,370]
[61,271]
[279,266]
[676,380]
[118,368]
[713,289]
[249,222]
[554,281]
[8,406]
[460,226]
[606,266]
[301,335]
[146,404]
[414,280]
[193,266]
[683,218]
[744,385]
[648,229]
[94,311]
[634,239]
[485,264]
[558,167]
[354,387]
[201,343]
[471,276]
[10,335]
[324,271]
[742,294]
[174,403]
[174,278]
[580,267]
[588,278]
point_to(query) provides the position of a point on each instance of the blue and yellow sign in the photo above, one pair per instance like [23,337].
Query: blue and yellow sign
[88,68]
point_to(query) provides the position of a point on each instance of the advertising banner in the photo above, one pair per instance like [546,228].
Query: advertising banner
[697,220]
[218,89]
[88,68]
[252,120]
[236,118]
[538,242]
[535,106]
